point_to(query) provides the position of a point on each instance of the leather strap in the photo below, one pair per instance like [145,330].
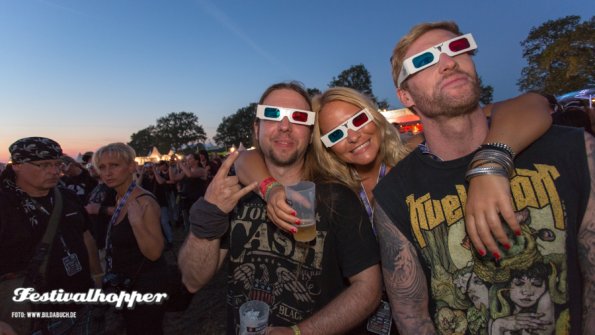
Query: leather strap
[50,232]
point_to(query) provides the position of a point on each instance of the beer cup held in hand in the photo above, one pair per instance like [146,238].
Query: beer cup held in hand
[302,197]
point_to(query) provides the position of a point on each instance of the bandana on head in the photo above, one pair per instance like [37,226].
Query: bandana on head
[32,149]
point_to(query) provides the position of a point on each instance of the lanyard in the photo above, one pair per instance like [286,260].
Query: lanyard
[364,196]
[112,222]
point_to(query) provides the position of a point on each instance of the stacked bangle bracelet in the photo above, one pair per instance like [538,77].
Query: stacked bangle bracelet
[500,155]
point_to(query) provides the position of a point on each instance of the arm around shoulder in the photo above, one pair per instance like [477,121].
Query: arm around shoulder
[520,121]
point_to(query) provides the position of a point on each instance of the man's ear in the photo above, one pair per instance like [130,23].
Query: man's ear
[255,129]
[405,97]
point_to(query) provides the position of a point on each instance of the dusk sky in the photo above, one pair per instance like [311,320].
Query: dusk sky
[90,72]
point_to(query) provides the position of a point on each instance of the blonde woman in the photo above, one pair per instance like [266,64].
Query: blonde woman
[134,242]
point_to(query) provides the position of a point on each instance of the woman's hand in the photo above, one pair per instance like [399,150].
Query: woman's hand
[135,211]
[489,198]
[279,211]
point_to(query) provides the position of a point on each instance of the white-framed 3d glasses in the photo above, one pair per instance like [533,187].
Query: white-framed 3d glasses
[356,122]
[431,56]
[274,113]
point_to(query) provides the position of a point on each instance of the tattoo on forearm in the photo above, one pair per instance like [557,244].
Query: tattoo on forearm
[404,279]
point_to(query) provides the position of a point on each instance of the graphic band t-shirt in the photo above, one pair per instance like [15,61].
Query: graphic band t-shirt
[296,279]
[538,279]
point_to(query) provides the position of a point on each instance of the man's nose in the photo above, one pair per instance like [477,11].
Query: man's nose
[446,63]
[284,124]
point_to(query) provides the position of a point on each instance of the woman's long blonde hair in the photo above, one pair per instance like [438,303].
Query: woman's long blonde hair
[328,165]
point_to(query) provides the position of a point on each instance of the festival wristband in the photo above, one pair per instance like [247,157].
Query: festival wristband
[266,186]
[207,220]
[296,330]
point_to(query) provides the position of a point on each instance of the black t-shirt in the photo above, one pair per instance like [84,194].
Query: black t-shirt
[161,191]
[191,189]
[18,240]
[297,280]
[425,199]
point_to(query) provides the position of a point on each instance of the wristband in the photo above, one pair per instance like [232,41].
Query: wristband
[296,330]
[207,220]
[262,187]
[266,186]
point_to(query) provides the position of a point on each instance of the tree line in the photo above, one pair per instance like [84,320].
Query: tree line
[560,57]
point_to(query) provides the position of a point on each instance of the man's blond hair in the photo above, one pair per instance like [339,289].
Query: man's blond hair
[401,48]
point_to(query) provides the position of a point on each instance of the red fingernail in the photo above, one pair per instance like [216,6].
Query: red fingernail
[481,252]
[496,256]
[293,213]
[517,232]
[506,246]
[293,230]
[298,222]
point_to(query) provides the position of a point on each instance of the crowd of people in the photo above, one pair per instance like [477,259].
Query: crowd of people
[485,225]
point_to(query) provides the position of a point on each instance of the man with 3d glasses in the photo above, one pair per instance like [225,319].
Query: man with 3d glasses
[326,286]
[436,282]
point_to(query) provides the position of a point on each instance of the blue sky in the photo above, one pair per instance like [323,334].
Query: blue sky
[91,72]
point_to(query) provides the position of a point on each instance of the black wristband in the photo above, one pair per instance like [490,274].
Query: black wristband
[102,210]
[207,220]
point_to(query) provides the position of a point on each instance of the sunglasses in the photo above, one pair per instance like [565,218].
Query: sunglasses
[354,123]
[431,56]
[273,113]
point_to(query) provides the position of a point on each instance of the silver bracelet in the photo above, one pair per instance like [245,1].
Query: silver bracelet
[480,171]
[499,146]
[484,156]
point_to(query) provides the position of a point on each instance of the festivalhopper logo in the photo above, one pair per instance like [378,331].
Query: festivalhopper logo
[93,296]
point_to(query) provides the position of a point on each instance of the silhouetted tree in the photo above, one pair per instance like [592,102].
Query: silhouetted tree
[358,78]
[178,129]
[173,131]
[236,128]
[560,55]
[486,94]
[143,141]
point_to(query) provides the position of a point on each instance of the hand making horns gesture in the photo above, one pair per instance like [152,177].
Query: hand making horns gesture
[225,191]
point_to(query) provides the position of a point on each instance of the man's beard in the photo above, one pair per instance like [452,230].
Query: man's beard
[283,162]
[442,105]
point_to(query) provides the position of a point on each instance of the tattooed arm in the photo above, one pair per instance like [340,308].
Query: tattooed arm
[404,278]
[586,244]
